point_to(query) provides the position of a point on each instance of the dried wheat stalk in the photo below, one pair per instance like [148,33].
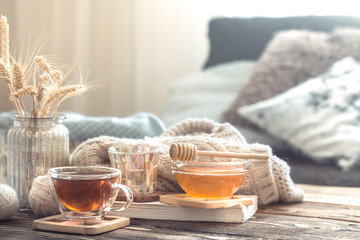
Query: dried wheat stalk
[46,92]
[62,94]
[5,56]
[5,71]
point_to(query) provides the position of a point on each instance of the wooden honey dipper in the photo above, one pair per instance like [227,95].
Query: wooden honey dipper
[186,151]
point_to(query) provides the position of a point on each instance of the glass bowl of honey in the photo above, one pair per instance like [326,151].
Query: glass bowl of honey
[207,179]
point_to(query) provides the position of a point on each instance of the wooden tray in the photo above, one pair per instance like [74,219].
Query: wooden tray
[58,223]
[238,213]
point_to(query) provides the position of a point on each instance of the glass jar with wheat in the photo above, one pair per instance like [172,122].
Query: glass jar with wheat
[38,140]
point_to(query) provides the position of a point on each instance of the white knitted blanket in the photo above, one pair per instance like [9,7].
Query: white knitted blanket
[268,179]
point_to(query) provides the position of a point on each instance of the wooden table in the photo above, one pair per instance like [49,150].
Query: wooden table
[326,213]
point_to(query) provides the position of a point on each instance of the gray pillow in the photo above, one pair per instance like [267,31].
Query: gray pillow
[237,38]
[290,58]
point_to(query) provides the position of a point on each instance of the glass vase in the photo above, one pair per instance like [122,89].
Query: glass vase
[33,146]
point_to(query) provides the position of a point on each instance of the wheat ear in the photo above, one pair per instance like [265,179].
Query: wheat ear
[80,89]
[18,76]
[19,81]
[27,90]
[42,63]
[5,63]
[66,91]
[41,93]
[4,40]
[5,72]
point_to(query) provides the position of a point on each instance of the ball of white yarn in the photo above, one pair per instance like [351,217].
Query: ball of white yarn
[9,202]
[40,198]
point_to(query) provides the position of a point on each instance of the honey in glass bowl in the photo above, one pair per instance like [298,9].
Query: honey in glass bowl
[211,179]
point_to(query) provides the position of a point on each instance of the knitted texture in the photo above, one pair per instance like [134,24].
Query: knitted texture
[268,179]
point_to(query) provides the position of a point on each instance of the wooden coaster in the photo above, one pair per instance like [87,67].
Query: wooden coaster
[153,197]
[58,223]
[207,203]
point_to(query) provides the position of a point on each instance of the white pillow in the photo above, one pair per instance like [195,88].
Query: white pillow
[320,117]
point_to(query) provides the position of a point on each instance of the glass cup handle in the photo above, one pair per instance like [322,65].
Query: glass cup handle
[129,197]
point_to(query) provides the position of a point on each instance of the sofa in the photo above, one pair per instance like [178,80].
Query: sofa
[290,83]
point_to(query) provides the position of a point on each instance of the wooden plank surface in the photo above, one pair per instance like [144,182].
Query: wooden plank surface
[328,194]
[315,210]
[312,219]
[325,202]
[262,225]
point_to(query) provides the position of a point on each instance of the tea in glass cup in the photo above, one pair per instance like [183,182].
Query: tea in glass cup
[138,163]
[87,192]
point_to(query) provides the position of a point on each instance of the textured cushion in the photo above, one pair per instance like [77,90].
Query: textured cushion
[238,38]
[291,58]
[319,117]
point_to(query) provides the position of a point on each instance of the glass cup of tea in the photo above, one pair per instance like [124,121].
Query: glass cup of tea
[138,163]
[87,192]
